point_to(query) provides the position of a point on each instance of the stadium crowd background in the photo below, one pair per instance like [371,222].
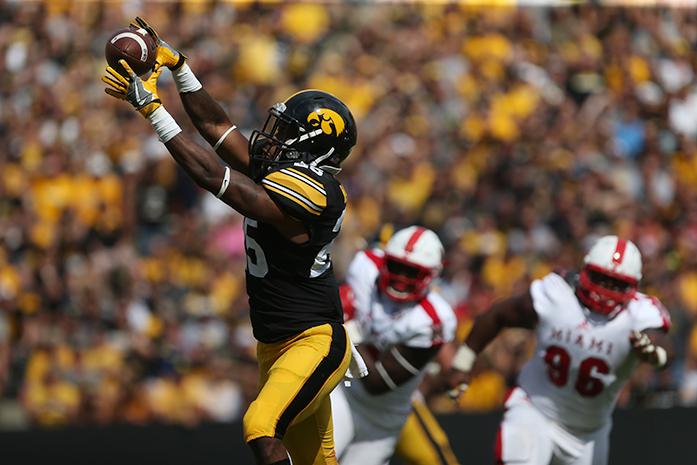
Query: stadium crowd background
[517,134]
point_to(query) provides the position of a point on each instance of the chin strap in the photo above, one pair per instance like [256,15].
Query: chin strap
[333,170]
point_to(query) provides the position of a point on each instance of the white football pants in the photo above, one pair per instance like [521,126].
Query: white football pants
[527,437]
[358,441]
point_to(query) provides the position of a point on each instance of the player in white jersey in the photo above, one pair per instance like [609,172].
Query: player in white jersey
[399,324]
[592,331]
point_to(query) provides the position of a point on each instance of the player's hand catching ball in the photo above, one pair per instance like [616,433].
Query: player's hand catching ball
[139,93]
[646,350]
[166,55]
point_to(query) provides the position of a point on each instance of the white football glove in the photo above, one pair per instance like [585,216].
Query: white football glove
[646,350]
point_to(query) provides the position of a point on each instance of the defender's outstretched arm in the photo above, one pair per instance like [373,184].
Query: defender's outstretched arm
[394,368]
[514,312]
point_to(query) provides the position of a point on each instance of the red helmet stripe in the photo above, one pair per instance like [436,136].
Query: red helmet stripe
[413,239]
[618,255]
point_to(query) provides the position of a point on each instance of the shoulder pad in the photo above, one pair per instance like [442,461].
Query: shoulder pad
[443,322]
[376,256]
[300,192]
[649,313]
[362,274]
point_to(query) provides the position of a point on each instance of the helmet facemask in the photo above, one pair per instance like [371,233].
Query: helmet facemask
[605,292]
[404,281]
[273,144]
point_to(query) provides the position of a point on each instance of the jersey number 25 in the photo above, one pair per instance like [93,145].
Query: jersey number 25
[256,260]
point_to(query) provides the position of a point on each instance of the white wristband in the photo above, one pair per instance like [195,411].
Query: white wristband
[464,358]
[185,79]
[226,182]
[164,124]
[661,357]
[222,138]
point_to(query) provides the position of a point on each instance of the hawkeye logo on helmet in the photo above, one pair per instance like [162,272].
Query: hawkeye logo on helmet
[327,120]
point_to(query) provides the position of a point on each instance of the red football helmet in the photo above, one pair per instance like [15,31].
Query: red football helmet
[610,275]
[413,257]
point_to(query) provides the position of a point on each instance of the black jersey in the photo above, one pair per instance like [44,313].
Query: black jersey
[291,286]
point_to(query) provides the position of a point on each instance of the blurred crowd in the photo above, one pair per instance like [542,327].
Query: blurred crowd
[518,134]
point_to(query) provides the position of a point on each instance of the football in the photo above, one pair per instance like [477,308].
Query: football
[133,45]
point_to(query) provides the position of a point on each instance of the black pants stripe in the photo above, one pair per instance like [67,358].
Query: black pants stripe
[441,455]
[309,390]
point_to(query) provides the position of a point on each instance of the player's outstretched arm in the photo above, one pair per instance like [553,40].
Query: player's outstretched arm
[394,368]
[214,125]
[514,312]
[234,188]
[208,116]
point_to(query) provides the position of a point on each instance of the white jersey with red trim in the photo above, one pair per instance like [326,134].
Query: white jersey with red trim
[385,324]
[582,359]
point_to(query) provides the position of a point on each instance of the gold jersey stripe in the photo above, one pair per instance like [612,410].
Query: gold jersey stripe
[299,187]
[290,197]
[343,191]
[293,194]
[308,178]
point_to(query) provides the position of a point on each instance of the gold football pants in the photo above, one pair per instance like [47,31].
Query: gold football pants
[422,440]
[296,377]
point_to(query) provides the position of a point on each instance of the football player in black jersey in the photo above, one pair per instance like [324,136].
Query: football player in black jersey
[283,181]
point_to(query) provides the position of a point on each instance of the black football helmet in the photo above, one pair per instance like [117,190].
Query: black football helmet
[311,126]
